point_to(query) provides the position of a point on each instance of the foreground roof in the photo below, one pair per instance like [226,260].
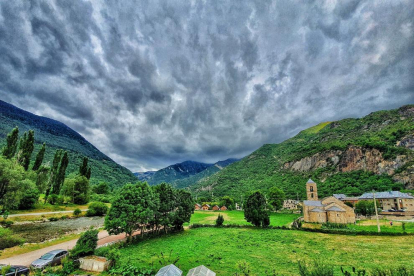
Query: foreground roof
[335,208]
[384,195]
[169,270]
[317,210]
[310,181]
[339,196]
[201,271]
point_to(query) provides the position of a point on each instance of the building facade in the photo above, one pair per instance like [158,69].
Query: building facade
[291,204]
[329,209]
[392,200]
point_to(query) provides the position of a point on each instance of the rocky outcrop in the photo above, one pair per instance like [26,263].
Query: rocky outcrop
[407,142]
[353,159]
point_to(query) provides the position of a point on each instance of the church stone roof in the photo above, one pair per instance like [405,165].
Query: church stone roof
[310,181]
[335,208]
[316,203]
[317,210]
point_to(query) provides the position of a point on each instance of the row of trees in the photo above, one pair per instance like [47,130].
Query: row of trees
[21,186]
[139,207]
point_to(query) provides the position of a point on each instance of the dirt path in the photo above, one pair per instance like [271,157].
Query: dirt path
[40,214]
[27,258]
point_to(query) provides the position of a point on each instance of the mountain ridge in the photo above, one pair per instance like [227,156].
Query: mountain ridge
[57,135]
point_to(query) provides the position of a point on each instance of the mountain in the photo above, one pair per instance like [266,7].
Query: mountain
[57,135]
[187,173]
[349,156]
[144,176]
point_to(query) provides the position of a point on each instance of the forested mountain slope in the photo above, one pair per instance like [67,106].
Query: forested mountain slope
[350,156]
[57,135]
[187,173]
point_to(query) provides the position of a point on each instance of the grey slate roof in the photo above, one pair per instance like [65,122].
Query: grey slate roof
[339,196]
[201,271]
[169,270]
[310,181]
[317,210]
[385,195]
[335,208]
[316,203]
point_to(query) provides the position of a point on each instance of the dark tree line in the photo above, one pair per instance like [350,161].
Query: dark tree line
[139,207]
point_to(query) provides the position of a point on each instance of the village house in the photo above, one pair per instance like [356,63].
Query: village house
[197,207]
[216,208]
[223,208]
[391,200]
[239,207]
[205,207]
[344,198]
[329,209]
[290,204]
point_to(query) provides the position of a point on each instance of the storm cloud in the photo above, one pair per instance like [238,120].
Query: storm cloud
[151,83]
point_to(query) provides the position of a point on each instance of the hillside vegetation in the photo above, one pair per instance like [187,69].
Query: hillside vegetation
[187,173]
[56,135]
[350,156]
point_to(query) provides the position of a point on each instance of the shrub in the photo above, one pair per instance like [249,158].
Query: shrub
[219,220]
[77,212]
[97,209]
[317,269]
[63,217]
[29,198]
[53,219]
[330,225]
[112,253]
[8,239]
[52,199]
[86,244]
[6,223]
[131,270]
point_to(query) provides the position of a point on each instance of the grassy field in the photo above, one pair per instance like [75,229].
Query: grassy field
[237,217]
[221,249]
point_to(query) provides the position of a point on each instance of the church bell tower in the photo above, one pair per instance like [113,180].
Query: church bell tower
[311,190]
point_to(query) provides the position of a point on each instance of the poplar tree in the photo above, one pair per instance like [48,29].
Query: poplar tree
[39,158]
[84,169]
[10,149]
[60,177]
[53,172]
[26,148]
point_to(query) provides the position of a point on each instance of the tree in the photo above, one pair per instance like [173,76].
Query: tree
[164,215]
[101,188]
[228,202]
[39,158]
[10,176]
[365,207]
[84,169]
[80,190]
[255,209]
[132,208]
[184,208]
[26,148]
[11,145]
[53,172]
[29,195]
[219,220]
[60,177]
[276,198]
[42,178]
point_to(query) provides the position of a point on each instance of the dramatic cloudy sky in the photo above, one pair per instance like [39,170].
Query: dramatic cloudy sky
[151,83]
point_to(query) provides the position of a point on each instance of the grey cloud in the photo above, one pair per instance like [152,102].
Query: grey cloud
[157,82]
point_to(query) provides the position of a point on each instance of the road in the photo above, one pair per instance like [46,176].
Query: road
[40,214]
[27,258]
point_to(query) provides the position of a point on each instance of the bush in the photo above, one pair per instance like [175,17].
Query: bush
[86,244]
[401,271]
[6,223]
[52,199]
[97,209]
[29,199]
[77,212]
[112,253]
[53,219]
[131,270]
[8,239]
[330,225]
[219,220]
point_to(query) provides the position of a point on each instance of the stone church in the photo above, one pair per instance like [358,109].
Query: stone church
[329,209]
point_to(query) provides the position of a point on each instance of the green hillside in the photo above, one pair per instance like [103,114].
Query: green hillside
[350,156]
[59,136]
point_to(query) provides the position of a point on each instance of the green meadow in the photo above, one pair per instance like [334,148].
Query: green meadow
[237,217]
[266,250]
